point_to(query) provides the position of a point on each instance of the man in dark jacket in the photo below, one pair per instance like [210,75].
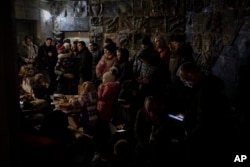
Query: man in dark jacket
[206,117]
[85,63]
[46,62]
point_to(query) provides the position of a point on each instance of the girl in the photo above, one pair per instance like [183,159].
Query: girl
[87,102]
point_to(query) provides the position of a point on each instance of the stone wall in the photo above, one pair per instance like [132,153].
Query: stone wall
[217,30]
[125,21]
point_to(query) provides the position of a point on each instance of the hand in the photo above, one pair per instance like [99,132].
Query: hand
[50,54]
[121,126]
[68,75]
[72,101]
[101,86]
[31,60]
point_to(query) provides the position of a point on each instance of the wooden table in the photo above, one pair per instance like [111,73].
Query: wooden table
[61,102]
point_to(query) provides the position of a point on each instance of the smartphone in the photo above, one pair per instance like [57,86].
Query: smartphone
[178,117]
[120,130]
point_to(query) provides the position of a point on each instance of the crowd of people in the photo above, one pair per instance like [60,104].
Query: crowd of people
[124,102]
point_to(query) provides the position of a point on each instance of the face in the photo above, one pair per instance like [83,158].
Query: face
[175,46]
[104,80]
[107,53]
[53,43]
[151,109]
[149,106]
[188,84]
[79,46]
[157,43]
[74,47]
[91,46]
[48,42]
[28,41]
[144,46]
[118,55]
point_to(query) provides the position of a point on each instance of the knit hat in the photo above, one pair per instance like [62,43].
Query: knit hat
[66,45]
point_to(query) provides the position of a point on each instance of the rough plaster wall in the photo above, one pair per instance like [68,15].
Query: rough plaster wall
[27,9]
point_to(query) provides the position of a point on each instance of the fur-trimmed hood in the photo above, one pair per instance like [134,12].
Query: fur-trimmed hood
[65,54]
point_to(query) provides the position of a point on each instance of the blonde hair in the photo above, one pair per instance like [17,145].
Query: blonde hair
[22,70]
[108,77]
[161,39]
[86,87]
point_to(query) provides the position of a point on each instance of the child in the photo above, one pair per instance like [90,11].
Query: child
[107,94]
[87,102]
[107,97]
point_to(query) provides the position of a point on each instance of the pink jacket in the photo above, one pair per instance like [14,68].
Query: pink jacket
[104,65]
[107,96]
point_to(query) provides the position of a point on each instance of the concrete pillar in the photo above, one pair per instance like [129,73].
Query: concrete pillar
[9,103]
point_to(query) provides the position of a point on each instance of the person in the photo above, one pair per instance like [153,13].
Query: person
[108,41]
[241,136]
[41,90]
[163,49]
[107,60]
[80,152]
[87,102]
[73,47]
[25,89]
[55,126]
[96,56]
[40,149]
[26,81]
[146,43]
[152,133]
[125,68]
[107,94]
[151,78]
[85,62]
[123,118]
[181,52]
[66,72]
[61,48]
[28,52]
[206,117]
[46,62]
[122,154]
